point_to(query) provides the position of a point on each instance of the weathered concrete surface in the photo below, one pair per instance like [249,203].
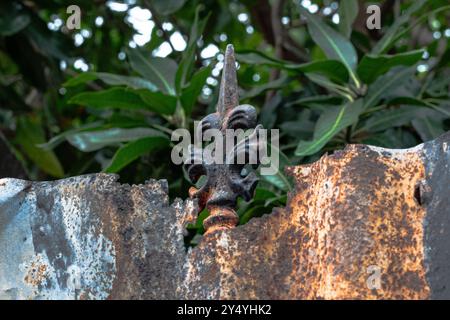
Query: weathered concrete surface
[365,223]
[90,238]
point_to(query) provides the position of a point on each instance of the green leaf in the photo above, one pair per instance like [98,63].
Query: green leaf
[331,86]
[133,150]
[406,101]
[439,86]
[348,10]
[190,94]
[393,138]
[29,135]
[332,69]
[166,7]
[128,99]
[263,194]
[314,100]
[387,40]
[443,107]
[186,65]
[158,101]
[372,66]
[159,71]
[254,57]
[126,120]
[299,128]
[386,84]
[257,90]
[428,128]
[119,98]
[268,114]
[60,138]
[81,78]
[330,122]
[95,140]
[111,79]
[279,180]
[332,43]
[386,119]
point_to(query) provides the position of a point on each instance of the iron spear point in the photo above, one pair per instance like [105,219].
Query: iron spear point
[228,95]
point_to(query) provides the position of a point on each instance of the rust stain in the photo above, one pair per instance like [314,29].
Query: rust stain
[37,273]
[363,226]
[352,229]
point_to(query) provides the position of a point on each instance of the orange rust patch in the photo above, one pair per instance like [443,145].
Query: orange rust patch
[364,226]
[352,229]
[37,273]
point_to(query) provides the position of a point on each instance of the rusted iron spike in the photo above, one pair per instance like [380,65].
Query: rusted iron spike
[224,182]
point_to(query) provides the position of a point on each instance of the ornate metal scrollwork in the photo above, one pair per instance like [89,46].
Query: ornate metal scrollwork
[226,181]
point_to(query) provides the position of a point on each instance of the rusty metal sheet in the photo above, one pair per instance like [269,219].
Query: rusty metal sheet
[362,223]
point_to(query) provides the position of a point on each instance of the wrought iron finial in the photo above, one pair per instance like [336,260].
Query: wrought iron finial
[228,95]
[228,180]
